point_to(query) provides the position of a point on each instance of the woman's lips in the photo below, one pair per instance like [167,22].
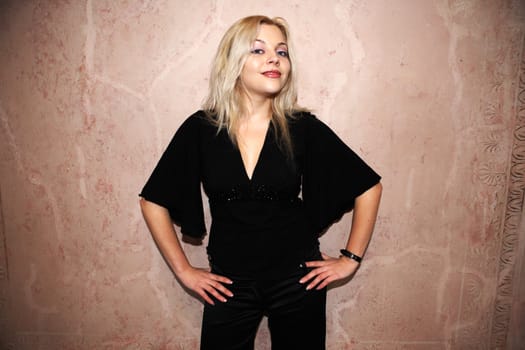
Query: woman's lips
[272,74]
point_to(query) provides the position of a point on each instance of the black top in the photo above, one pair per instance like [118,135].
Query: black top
[260,226]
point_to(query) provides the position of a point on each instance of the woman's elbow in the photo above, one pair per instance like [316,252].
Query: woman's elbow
[146,206]
[372,194]
[378,189]
[142,203]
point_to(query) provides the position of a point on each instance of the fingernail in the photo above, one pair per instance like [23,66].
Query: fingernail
[301,281]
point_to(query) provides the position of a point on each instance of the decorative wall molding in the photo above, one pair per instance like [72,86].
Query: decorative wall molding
[513,215]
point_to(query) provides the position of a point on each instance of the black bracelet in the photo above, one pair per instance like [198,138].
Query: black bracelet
[351,255]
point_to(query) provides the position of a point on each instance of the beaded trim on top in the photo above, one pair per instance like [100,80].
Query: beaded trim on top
[254,192]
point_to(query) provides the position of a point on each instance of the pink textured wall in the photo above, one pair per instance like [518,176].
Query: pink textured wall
[431,93]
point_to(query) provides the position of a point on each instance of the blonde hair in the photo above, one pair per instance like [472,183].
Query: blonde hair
[224,104]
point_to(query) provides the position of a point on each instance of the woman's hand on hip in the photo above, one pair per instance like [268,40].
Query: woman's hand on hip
[328,270]
[206,284]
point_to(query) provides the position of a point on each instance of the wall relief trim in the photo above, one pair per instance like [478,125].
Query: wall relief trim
[513,212]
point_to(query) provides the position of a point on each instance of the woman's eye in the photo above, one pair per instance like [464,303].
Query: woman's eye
[257,51]
[282,53]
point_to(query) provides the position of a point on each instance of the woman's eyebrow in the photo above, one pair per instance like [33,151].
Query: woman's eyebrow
[278,44]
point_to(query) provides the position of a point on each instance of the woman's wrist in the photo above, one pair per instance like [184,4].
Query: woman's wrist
[349,255]
[182,267]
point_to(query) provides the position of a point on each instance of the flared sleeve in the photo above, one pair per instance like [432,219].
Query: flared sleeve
[333,176]
[175,183]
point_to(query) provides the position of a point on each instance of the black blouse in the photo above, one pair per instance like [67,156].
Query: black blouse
[270,223]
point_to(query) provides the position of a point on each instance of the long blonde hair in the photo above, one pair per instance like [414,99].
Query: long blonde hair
[224,104]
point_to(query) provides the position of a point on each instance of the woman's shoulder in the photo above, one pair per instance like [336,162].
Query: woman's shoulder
[198,121]
[199,117]
[301,115]
[304,120]
[306,125]
[300,118]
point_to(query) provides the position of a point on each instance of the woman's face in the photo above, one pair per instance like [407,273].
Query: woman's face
[267,67]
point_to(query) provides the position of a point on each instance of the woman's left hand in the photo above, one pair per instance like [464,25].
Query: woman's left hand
[328,270]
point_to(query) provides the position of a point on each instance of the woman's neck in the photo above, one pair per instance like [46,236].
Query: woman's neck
[257,108]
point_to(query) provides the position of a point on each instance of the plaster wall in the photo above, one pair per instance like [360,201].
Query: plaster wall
[431,93]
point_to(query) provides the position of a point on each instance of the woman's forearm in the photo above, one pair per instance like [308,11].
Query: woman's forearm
[159,223]
[363,220]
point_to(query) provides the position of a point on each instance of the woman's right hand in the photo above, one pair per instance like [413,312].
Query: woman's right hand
[200,281]
[205,283]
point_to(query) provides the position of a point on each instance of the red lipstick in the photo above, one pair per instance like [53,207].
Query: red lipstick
[272,74]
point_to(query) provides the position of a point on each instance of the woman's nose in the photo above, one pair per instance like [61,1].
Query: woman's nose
[273,58]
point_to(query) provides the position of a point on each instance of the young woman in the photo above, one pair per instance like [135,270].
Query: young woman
[276,178]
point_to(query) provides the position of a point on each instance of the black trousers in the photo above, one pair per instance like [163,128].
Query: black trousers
[296,317]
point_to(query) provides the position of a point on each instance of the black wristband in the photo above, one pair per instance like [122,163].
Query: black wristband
[351,255]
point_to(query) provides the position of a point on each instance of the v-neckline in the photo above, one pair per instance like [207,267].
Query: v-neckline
[243,165]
